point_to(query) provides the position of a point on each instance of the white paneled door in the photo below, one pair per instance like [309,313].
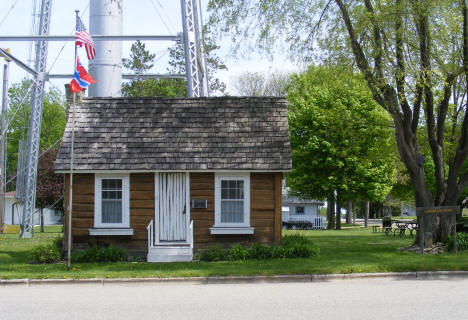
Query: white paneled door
[171,207]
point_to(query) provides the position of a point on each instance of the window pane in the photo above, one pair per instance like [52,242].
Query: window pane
[232,193]
[240,190]
[112,184]
[111,200]
[112,211]
[232,211]
[232,189]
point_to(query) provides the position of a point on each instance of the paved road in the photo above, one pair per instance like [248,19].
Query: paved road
[344,299]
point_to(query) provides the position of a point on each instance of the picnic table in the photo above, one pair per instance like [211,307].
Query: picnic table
[403,225]
[396,226]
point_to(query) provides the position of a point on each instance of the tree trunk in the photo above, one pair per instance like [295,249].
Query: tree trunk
[349,212]
[338,216]
[366,214]
[331,213]
[42,220]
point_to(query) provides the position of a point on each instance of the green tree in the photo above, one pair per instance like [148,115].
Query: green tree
[53,122]
[259,84]
[413,55]
[169,88]
[213,62]
[140,61]
[49,187]
[340,138]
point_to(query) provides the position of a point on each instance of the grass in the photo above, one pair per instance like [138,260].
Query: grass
[404,217]
[345,251]
[350,225]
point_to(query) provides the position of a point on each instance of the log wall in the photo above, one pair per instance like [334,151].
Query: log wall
[141,212]
[265,211]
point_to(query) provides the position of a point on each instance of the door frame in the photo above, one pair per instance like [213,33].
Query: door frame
[187,207]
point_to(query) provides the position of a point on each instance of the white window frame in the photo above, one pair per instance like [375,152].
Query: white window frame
[234,176]
[98,201]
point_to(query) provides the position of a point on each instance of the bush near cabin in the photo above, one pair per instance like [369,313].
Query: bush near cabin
[294,246]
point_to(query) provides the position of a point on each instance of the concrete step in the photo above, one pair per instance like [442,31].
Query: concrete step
[169,253]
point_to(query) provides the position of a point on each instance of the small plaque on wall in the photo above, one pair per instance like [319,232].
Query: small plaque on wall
[199,204]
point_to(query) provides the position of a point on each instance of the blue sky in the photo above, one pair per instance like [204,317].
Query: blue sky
[139,17]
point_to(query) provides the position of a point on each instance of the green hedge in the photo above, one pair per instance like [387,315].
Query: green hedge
[294,246]
[99,254]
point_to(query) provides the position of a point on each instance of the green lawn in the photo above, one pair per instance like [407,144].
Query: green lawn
[346,251]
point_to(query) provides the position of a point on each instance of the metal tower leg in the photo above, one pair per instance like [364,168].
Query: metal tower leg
[35,120]
[197,84]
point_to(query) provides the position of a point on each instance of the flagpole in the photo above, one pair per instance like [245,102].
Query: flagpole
[70,199]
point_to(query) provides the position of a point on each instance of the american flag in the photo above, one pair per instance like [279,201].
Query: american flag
[82,37]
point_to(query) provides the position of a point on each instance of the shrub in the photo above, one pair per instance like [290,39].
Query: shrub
[297,251]
[48,253]
[99,254]
[238,252]
[462,241]
[260,252]
[295,239]
[214,252]
[296,246]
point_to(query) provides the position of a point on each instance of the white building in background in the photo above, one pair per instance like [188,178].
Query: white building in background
[295,209]
[14,212]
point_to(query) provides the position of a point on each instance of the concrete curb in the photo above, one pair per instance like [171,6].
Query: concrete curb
[419,275]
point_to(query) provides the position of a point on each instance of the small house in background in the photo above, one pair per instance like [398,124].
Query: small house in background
[167,177]
[14,213]
[301,213]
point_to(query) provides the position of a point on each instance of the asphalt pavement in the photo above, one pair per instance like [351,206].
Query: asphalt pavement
[373,298]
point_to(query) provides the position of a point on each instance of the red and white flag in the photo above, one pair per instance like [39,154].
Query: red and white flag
[81,79]
[82,38]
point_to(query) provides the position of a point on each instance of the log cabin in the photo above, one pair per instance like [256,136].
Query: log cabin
[163,178]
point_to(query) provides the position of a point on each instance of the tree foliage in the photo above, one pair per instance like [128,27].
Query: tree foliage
[49,186]
[340,138]
[213,62]
[53,121]
[412,53]
[259,84]
[141,60]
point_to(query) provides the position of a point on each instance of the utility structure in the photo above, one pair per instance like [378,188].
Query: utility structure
[195,66]
[3,139]
[195,60]
[35,121]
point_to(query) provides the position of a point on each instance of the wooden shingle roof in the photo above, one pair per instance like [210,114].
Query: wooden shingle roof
[219,133]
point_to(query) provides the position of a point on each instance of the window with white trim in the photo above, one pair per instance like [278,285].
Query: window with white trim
[111,205]
[232,203]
